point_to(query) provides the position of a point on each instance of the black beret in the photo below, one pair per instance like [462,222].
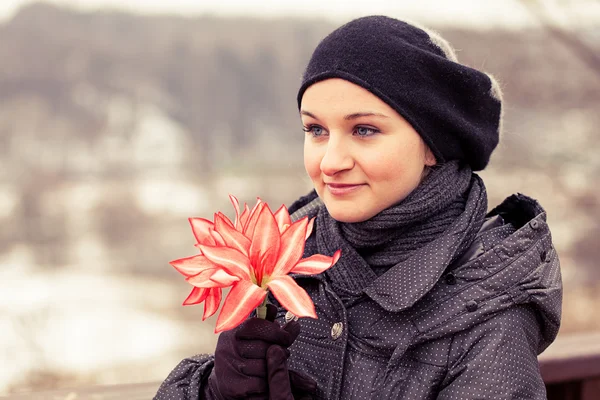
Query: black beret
[456,109]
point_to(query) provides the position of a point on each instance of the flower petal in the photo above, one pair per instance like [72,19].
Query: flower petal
[282,216]
[212,302]
[236,207]
[201,228]
[219,241]
[224,218]
[243,218]
[315,264]
[197,295]
[231,236]
[253,218]
[190,266]
[266,263]
[203,279]
[292,248]
[231,260]
[292,297]
[223,278]
[243,298]
[265,239]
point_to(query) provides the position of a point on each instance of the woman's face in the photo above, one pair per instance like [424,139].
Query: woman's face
[361,155]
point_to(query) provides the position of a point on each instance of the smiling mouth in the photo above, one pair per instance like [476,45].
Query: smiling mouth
[340,189]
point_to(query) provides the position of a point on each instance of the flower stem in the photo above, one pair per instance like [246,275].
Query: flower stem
[261,311]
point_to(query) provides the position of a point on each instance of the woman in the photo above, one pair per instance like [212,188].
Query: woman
[432,297]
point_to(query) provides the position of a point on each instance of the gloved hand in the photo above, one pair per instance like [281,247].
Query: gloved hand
[251,362]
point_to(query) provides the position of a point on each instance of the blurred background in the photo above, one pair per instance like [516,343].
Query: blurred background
[119,120]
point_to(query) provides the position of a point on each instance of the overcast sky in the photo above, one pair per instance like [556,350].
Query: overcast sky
[473,13]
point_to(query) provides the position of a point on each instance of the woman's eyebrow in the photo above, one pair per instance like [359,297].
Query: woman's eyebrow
[349,116]
[303,112]
[364,114]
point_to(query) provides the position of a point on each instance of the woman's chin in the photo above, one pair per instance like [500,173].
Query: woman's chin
[347,214]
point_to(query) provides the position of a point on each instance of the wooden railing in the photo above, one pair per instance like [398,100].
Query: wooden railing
[570,368]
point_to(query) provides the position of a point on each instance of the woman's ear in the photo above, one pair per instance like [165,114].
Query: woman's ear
[430,160]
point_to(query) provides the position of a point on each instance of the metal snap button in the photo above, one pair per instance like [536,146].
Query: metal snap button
[450,279]
[336,330]
[290,316]
[472,305]
[534,224]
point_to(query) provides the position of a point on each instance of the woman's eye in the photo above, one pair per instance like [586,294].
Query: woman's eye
[315,130]
[365,131]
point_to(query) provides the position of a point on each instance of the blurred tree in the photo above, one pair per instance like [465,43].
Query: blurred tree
[579,48]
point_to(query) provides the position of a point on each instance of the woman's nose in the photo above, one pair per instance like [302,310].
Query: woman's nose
[337,157]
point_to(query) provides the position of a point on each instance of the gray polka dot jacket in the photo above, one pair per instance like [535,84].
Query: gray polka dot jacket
[474,333]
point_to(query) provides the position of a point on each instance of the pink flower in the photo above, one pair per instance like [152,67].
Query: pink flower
[252,255]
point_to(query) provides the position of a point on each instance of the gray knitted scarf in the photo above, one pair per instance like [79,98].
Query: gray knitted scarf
[397,233]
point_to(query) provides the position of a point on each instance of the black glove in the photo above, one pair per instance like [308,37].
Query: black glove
[251,362]
[285,384]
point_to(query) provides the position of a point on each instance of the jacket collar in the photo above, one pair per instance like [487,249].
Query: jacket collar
[434,259]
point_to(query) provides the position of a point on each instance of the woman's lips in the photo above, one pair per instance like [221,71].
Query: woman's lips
[340,189]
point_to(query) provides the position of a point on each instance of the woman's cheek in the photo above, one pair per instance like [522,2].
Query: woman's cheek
[381,167]
[312,162]
[309,166]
